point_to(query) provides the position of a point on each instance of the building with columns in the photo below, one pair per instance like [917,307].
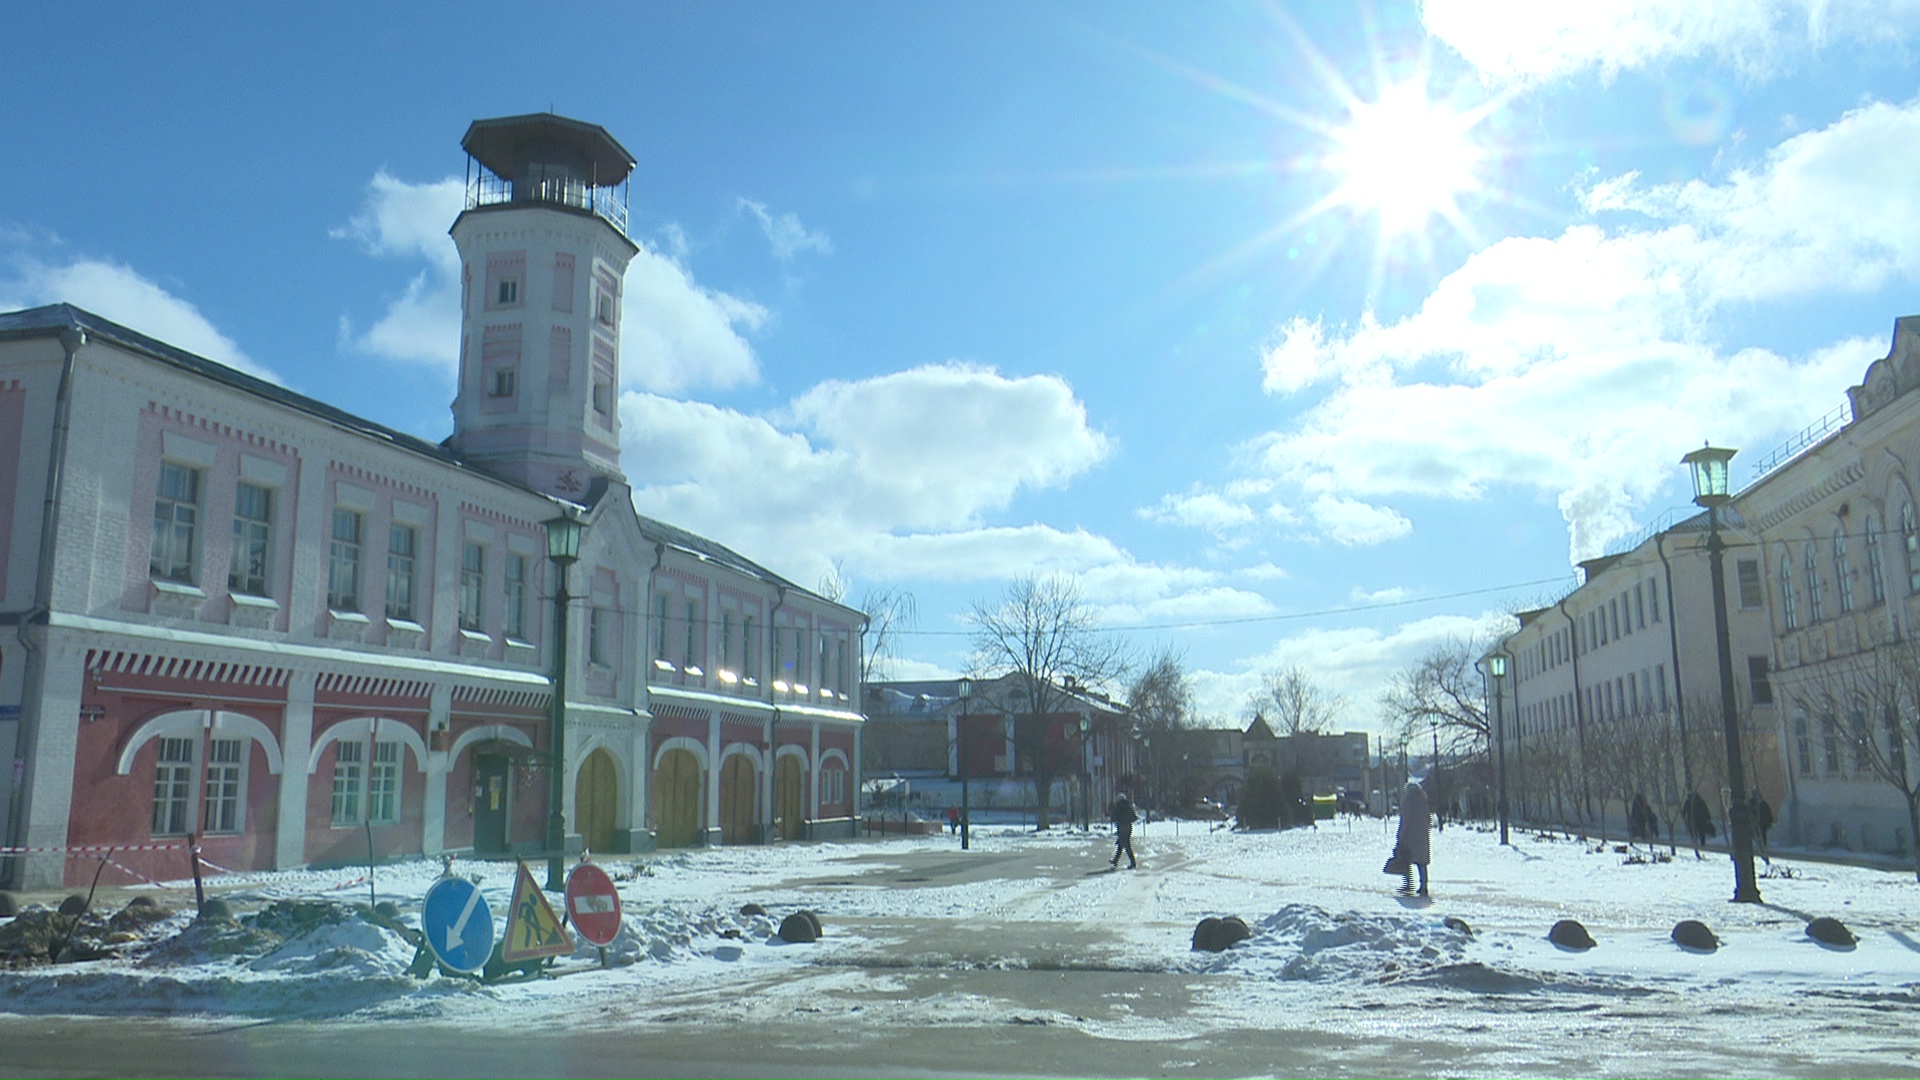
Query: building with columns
[329,636]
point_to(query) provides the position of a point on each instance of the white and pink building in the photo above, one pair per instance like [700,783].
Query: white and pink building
[237,616]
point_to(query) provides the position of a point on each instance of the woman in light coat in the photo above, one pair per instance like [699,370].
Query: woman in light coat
[1412,845]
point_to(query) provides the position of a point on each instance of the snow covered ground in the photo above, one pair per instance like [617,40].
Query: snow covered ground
[915,927]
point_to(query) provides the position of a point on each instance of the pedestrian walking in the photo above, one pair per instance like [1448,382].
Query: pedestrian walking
[1699,820]
[953,819]
[1122,814]
[1761,816]
[1412,847]
[1640,820]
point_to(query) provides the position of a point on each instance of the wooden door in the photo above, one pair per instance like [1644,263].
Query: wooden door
[738,779]
[596,801]
[491,790]
[676,793]
[787,801]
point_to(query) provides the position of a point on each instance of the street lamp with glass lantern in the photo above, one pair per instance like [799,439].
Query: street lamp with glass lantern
[1497,668]
[965,690]
[563,550]
[1708,466]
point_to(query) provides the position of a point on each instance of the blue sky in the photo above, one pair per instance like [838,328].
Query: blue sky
[1302,334]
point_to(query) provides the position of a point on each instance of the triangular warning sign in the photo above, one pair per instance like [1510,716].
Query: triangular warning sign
[533,930]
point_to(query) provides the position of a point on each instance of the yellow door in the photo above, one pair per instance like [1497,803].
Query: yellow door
[597,800]
[737,781]
[676,793]
[786,798]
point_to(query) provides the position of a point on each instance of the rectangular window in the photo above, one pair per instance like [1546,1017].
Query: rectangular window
[1876,570]
[176,512]
[252,525]
[660,629]
[603,308]
[343,561]
[503,383]
[516,614]
[1640,603]
[1653,601]
[726,641]
[1660,681]
[1803,746]
[1896,745]
[687,658]
[603,399]
[383,784]
[508,291]
[749,660]
[402,541]
[1613,613]
[1759,682]
[349,762]
[1830,746]
[1748,572]
[222,814]
[173,788]
[473,580]
[598,647]
[1842,571]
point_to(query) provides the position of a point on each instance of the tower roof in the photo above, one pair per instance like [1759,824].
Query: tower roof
[504,143]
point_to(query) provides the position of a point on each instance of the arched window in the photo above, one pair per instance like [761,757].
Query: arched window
[1789,614]
[1842,572]
[1816,602]
[1876,573]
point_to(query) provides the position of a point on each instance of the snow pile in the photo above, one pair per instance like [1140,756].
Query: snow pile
[1304,941]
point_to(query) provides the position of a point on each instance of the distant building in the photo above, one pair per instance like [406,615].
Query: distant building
[925,727]
[241,617]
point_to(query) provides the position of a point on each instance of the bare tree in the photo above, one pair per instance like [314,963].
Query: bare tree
[1442,693]
[889,611]
[1161,696]
[1871,705]
[1293,703]
[1042,633]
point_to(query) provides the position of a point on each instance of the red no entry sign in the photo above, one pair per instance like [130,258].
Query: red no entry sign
[593,903]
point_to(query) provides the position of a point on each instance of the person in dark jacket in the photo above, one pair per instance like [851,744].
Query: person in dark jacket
[1699,820]
[1761,816]
[1640,819]
[1413,845]
[1122,814]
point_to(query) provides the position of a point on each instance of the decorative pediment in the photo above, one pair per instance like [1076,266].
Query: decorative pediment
[1894,375]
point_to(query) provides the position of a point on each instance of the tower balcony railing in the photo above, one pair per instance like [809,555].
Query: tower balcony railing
[486,189]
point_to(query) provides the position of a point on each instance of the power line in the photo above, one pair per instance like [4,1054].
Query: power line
[1199,624]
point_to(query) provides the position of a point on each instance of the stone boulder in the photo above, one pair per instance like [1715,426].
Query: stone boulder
[752,909]
[1218,934]
[1693,934]
[800,928]
[1569,934]
[1829,931]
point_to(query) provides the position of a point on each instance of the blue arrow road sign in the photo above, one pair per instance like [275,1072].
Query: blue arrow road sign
[458,924]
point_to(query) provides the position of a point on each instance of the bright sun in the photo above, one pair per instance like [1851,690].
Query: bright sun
[1404,158]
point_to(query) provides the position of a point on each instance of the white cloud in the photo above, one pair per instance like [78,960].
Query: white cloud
[785,234]
[679,334]
[121,294]
[1355,662]
[1201,510]
[1392,594]
[1352,522]
[1524,40]
[891,473]
[1581,366]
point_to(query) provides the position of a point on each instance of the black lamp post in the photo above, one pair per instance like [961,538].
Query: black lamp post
[563,550]
[965,690]
[1497,667]
[1086,779]
[1710,490]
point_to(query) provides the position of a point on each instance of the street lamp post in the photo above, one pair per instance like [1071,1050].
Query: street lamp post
[1497,667]
[1086,778]
[563,550]
[1711,491]
[965,690]
[1439,808]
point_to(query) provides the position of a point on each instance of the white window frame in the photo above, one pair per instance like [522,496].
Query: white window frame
[250,570]
[401,570]
[176,522]
[473,585]
[345,557]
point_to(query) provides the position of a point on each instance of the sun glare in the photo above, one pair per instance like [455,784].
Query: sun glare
[1405,159]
